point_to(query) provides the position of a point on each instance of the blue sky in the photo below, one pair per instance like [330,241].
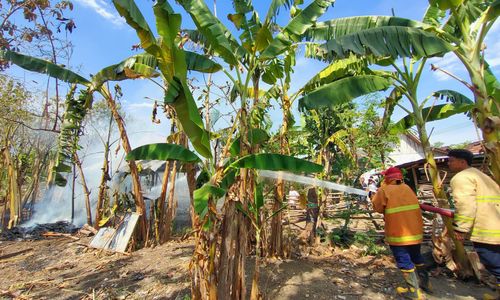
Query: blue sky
[102,38]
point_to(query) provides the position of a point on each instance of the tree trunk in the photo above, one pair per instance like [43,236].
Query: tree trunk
[73,194]
[139,201]
[172,204]
[276,245]
[459,255]
[14,196]
[86,192]
[104,178]
[231,275]
[255,293]
[489,123]
[160,218]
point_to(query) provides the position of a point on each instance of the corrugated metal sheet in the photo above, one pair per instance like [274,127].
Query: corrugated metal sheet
[116,239]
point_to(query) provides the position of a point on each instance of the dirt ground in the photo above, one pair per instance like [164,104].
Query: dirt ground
[62,268]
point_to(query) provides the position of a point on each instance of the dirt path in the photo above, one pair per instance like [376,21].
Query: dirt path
[61,268]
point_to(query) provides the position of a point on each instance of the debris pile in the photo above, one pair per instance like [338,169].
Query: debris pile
[38,231]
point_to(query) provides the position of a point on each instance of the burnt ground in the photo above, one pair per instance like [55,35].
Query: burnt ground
[65,268]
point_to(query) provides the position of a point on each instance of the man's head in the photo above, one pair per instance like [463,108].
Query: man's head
[459,159]
[392,174]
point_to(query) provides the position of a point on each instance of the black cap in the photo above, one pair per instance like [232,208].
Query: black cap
[462,154]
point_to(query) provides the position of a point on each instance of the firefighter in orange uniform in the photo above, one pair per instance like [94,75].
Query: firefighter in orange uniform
[403,231]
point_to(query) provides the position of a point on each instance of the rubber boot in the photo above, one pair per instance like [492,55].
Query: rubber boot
[495,296]
[411,291]
[423,276]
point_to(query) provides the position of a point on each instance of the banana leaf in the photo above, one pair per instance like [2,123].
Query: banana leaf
[228,179]
[434,113]
[258,197]
[470,12]
[433,16]
[256,136]
[274,9]
[336,28]
[446,4]
[394,41]
[182,100]
[76,110]
[492,84]
[138,66]
[453,96]
[337,139]
[353,65]
[493,11]
[242,6]
[276,162]
[201,63]
[201,196]
[129,10]
[294,30]
[42,66]
[162,151]
[218,37]
[343,90]
[390,103]
[172,64]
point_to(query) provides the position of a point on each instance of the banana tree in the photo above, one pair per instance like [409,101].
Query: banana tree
[206,196]
[466,28]
[365,43]
[252,59]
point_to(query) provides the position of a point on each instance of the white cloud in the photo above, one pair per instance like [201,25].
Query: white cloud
[104,10]
[142,105]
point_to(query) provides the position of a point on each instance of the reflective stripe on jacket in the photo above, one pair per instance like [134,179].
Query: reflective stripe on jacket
[477,205]
[402,215]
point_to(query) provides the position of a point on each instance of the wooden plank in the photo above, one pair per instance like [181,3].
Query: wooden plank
[9,255]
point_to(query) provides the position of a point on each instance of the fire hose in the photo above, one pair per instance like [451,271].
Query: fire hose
[442,211]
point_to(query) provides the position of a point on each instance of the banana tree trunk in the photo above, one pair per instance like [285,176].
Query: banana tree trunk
[134,173]
[276,245]
[13,192]
[171,205]
[487,122]
[86,191]
[104,177]
[255,292]
[231,274]
[234,231]
[459,255]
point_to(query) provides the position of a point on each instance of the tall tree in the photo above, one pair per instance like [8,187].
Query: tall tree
[466,28]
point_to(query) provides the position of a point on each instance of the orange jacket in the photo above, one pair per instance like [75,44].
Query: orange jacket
[402,215]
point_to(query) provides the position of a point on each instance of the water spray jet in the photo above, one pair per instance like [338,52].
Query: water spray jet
[312,181]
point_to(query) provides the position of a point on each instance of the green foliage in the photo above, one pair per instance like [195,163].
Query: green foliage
[76,110]
[256,137]
[217,36]
[276,162]
[172,64]
[202,195]
[394,41]
[42,66]
[367,241]
[294,30]
[343,90]
[337,28]
[163,151]
[433,113]
[446,4]
[460,145]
